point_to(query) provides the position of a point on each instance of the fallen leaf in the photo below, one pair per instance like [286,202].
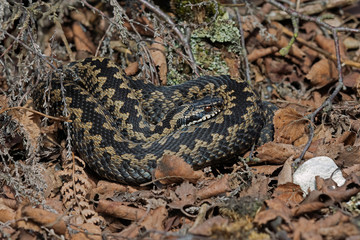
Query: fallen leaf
[289,193]
[205,228]
[82,42]
[322,73]
[120,210]
[329,45]
[157,51]
[6,213]
[289,126]
[351,79]
[275,208]
[172,169]
[214,188]
[278,153]
[185,195]
[84,231]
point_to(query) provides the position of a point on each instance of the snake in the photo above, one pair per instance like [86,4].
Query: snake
[122,126]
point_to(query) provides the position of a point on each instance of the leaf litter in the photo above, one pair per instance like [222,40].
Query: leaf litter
[47,192]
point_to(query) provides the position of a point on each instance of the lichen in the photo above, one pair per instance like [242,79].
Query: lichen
[195,11]
[223,30]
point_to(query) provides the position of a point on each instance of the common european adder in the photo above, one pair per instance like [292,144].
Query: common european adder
[122,127]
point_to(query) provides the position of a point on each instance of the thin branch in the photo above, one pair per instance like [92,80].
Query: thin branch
[43,57]
[182,38]
[247,67]
[63,119]
[340,84]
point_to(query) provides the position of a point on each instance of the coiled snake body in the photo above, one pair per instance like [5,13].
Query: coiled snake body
[122,127]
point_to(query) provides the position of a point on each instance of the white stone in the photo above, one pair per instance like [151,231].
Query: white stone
[322,166]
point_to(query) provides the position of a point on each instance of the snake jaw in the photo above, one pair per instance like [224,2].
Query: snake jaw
[199,111]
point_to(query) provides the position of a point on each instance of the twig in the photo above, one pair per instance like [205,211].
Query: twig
[243,47]
[64,119]
[340,84]
[182,38]
[147,56]
[318,21]
[315,48]
[43,57]
[64,39]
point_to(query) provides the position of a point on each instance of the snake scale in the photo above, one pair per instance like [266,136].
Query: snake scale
[122,126]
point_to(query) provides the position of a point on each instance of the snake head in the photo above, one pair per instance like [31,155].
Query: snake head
[198,111]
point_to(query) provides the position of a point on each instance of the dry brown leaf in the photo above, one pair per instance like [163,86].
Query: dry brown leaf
[279,69]
[332,151]
[259,188]
[289,126]
[289,193]
[84,231]
[351,170]
[132,69]
[157,51]
[81,16]
[358,87]
[259,53]
[286,173]
[233,64]
[44,218]
[6,213]
[329,45]
[172,169]
[120,210]
[185,195]
[155,222]
[214,188]
[350,188]
[105,189]
[205,228]
[278,153]
[283,41]
[341,231]
[306,229]
[31,123]
[82,42]
[275,208]
[352,79]
[265,169]
[322,73]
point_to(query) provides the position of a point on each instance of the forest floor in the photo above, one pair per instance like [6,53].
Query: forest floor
[48,192]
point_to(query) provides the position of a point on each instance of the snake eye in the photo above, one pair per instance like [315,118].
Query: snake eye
[208,108]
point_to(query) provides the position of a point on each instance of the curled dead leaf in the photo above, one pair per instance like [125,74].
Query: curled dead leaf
[172,169]
[278,153]
[289,125]
[6,213]
[120,210]
[206,227]
[81,232]
[157,51]
[43,218]
[275,208]
[82,42]
[216,187]
[322,73]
